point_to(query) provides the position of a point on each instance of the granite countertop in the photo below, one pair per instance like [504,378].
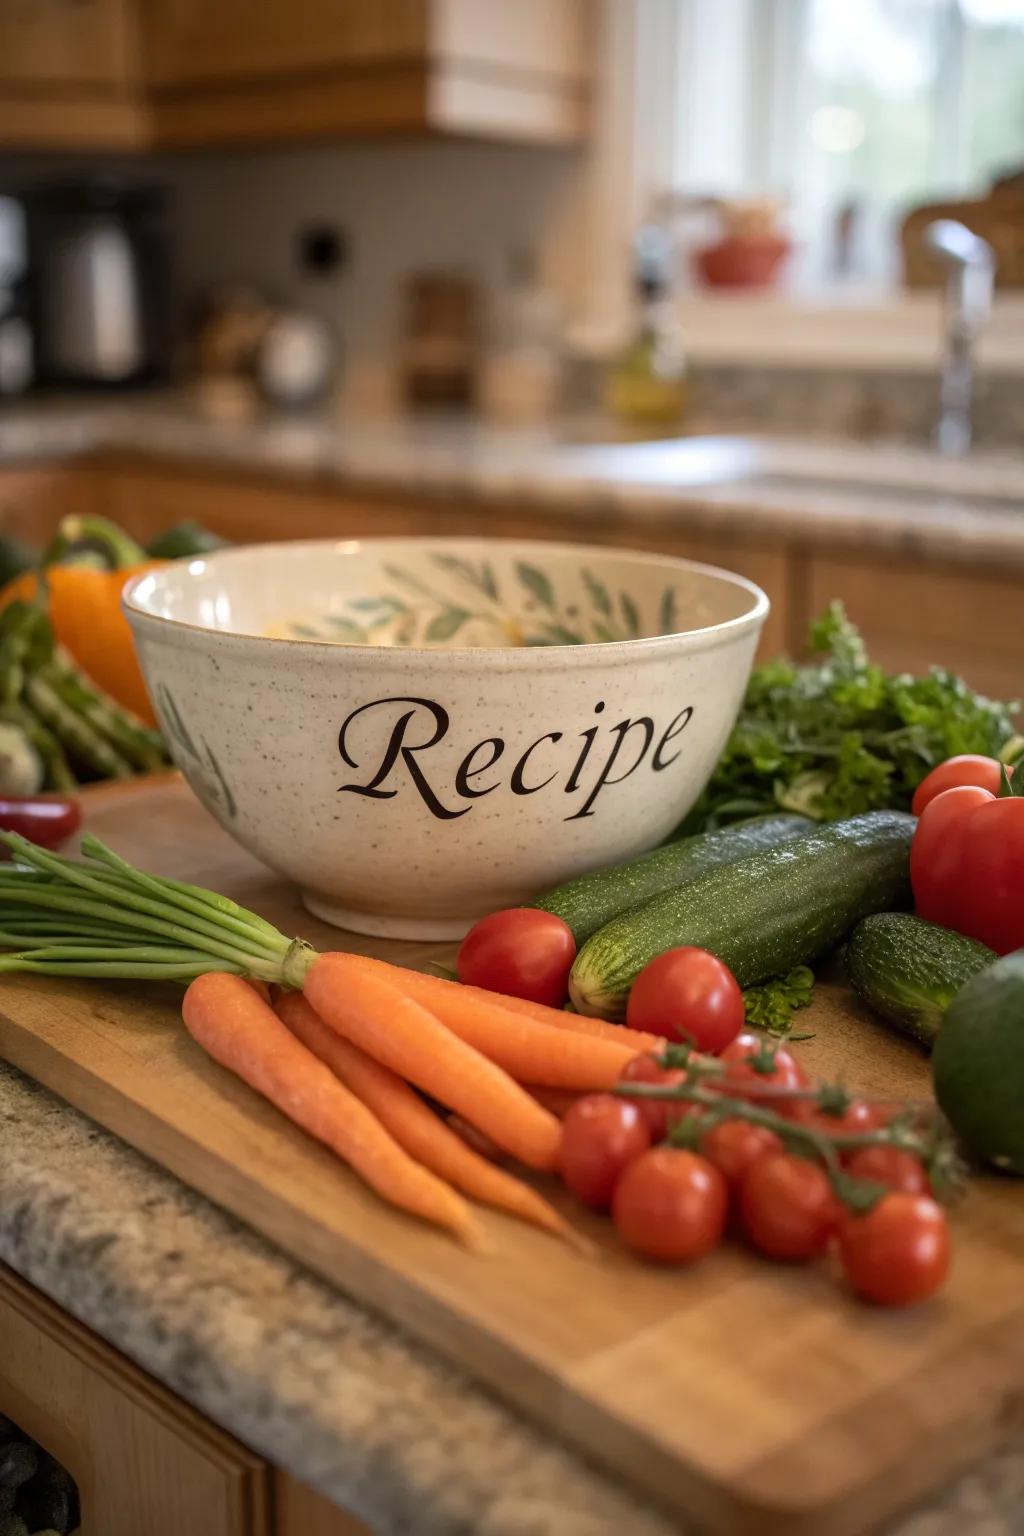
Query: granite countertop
[305,1376]
[896,498]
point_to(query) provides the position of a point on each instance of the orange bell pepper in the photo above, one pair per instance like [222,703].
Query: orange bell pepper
[85,611]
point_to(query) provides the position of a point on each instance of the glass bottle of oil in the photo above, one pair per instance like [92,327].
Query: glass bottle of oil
[649,387]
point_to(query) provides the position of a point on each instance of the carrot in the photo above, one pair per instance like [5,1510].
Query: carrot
[428,990]
[373,1013]
[237,1028]
[422,1133]
[558,1100]
[528,1051]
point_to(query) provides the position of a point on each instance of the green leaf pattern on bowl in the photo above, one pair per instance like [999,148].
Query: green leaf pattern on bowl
[468,604]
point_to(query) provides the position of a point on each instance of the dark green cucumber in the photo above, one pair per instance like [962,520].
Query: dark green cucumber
[978,1064]
[909,971]
[589,902]
[762,914]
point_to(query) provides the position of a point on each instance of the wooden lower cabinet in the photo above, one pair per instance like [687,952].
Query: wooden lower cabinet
[912,616]
[145,1463]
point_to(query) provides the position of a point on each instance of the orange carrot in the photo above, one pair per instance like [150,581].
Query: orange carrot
[558,1100]
[422,1133]
[242,1032]
[373,1013]
[528,1051]
[429,989]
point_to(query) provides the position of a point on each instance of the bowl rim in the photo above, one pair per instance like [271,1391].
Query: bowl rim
[505,655]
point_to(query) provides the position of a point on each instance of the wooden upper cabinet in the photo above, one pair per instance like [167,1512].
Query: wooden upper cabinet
[230,72]
[196,74]
[69,75]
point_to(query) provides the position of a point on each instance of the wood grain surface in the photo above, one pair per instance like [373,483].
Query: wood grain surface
[753,1397]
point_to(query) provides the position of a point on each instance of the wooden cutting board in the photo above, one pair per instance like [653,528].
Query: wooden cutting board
[753,1397]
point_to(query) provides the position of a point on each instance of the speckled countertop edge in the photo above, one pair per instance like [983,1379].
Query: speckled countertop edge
[306,1377]
[458,461]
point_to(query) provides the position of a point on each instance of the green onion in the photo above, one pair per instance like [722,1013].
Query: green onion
[100,916]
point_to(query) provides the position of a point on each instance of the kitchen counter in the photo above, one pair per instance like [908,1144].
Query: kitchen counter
[306,1377]
[886,497]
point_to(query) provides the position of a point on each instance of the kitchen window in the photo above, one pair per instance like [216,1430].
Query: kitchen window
[851,112]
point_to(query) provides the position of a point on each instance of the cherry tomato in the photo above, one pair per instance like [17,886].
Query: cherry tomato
[671,1205]
[659,1114]
[601,1136]
[787,1207]
[687,994]
[46,820]
[954,773]
[752,1063]
[734,1146]
[857,1117]
[899,1252]
[522,952]
[892,1166]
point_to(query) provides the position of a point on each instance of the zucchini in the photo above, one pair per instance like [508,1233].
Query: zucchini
[978,1064]
[763,914]
[590,901]
[909,971]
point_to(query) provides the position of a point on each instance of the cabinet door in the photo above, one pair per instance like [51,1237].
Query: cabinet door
[913,619]
[194,40]
[33,501]
[143,1461]
[65,42]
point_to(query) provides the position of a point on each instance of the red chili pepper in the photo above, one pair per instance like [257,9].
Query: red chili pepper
[967,864]
[44,819]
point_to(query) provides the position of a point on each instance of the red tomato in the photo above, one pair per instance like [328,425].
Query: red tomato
[671,1206]
[687,994]
[734,1146]
[522,952]
[954,773]
[899,1252]
[965,866]
[892,1166]
[601,1136]
[659,1114]
[752,1063]
[46,820]
[787,1207]
[857,1117]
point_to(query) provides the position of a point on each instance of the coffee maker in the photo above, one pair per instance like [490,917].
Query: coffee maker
[93,289]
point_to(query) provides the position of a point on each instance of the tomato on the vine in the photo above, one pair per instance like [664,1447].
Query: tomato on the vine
[787,1207]
[522,952]
[956,772]
[735,1145]
[601,1136]
[752,1063]
[894,1167]
[899,1252]
[671,1206]
[858,1116]
[660,1114]
[687,995]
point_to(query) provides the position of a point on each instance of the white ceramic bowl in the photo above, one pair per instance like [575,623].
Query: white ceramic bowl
[410,790]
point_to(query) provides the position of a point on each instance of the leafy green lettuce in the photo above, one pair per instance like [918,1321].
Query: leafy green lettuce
[840,736]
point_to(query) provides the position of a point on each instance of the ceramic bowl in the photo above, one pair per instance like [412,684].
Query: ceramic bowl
[419,731]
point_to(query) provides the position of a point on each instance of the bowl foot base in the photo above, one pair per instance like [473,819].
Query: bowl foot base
[378,926]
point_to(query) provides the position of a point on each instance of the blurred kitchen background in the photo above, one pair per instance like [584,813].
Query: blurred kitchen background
[738,278]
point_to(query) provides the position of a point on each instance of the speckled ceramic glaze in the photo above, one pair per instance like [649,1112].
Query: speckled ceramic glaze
[407,788]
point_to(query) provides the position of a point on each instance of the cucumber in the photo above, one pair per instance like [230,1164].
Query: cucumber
[763,914]
[909,971]
[589,902]
[978,1064]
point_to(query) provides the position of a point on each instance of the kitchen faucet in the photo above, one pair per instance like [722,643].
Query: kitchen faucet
[970,265]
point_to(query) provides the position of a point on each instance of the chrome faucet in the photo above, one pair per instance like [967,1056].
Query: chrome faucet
[970,265]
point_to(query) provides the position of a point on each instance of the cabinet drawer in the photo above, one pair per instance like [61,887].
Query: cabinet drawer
[144,1462]
[915,618]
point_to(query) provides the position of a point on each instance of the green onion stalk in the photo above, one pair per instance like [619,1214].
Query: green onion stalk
[101,916]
